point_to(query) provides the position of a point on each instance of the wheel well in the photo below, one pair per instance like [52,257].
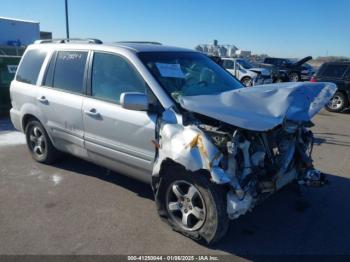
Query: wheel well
[26,119]
[246,77]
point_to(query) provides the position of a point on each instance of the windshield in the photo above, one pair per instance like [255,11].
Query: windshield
[245,64]
[188,73]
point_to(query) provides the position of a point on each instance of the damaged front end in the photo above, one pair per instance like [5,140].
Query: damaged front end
[251,160]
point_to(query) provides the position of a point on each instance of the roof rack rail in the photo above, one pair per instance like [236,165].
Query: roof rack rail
[139,42]
[69,40]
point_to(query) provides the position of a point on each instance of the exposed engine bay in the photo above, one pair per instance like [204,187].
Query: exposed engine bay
[260,163]
[251,164]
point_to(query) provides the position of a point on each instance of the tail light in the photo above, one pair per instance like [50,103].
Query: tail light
[313,79]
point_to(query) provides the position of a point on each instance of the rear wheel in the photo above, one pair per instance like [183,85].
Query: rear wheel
[337,103]
[39,143]
[195,206]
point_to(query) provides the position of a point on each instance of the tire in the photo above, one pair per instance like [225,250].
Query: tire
[247,81]
[337,103]
[39,143]
[204,205]
[294,77]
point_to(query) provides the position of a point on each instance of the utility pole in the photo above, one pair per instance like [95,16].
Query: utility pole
[67,21]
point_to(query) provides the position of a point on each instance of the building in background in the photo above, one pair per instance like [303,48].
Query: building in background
[217,50]
[229,51]
[17,34]
[45,35]
[243,53]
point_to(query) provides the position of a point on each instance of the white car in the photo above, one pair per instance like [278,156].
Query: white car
[246,73]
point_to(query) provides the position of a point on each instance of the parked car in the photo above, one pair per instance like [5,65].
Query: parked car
[278,76]
[8,67]
[307,72]
[338,73]
[247,73]
[296,71]
[210,148]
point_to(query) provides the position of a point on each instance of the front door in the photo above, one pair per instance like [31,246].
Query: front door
[115,137]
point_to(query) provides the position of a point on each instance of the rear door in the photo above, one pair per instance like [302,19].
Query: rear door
[61,98]
[116,137]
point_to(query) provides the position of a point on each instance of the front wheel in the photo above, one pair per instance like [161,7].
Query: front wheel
[195,206]
[247,81]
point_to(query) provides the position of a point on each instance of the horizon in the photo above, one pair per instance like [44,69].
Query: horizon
[292,29]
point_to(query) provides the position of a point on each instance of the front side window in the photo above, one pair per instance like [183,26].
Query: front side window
[336,71]
[245,64]
[31,64]
[69,71]
[228,64]
[112,75]
[188,74]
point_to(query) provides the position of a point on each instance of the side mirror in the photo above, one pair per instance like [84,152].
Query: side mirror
[134,101]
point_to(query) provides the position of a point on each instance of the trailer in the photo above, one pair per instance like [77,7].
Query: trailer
[15,32]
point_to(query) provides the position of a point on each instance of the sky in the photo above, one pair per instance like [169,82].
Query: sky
[285,28]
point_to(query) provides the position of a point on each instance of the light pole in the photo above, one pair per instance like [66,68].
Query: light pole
[67,21]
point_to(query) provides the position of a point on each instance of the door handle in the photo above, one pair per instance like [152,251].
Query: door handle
[92,112]
[43,99]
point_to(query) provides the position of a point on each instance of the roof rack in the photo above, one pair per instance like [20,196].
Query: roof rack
[139,42]
[69,40]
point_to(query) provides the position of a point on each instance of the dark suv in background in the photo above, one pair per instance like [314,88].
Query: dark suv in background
[296,71]
[338,73]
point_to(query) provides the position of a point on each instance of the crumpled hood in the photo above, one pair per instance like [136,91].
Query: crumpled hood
[262,108]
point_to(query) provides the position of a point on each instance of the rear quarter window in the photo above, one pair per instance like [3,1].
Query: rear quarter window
[30,66]
[335,71]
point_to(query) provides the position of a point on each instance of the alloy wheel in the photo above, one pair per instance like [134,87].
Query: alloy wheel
[185,205]
[37,141]
[335,103]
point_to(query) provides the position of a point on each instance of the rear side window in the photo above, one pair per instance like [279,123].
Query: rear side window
[69,71]
[30,66]
[336,71]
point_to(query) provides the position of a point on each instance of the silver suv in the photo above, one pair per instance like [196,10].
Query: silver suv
[210,148]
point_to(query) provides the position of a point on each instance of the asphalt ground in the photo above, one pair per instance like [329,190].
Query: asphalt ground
[76,207]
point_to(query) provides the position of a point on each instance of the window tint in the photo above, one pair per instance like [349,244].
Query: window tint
[30,66]
[228,64]
[69,71]
[50,70]
[271,61]
[334,70]
[112,76]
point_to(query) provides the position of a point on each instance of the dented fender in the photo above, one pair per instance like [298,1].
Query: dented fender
[191,148]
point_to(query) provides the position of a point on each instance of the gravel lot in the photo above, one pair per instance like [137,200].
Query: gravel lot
[76,207]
